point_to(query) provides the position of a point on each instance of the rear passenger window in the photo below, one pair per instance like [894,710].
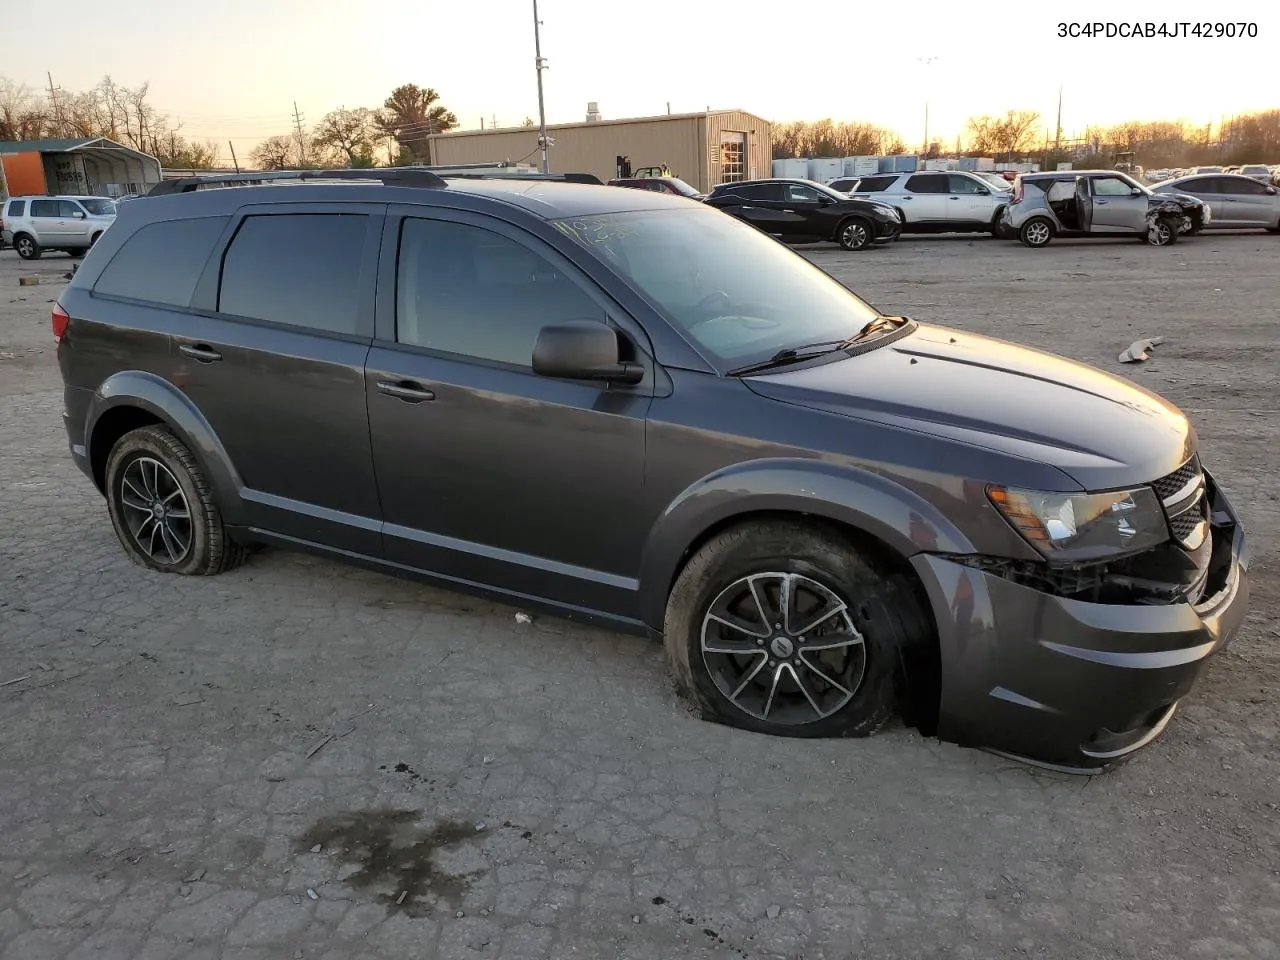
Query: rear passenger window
[17,208]
[44,208]
[162,261]
[928,183]
[298,269]
[874,184]
[466,290]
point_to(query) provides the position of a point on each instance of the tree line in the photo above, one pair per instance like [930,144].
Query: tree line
[1022,134]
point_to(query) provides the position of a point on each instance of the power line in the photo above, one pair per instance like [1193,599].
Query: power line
[302,142]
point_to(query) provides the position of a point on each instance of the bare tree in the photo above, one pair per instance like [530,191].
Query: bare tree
[23,114]
[277,153]
[1011,134]
[350,134]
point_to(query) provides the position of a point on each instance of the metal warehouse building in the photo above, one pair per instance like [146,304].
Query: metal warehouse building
[93,166]
[704,149]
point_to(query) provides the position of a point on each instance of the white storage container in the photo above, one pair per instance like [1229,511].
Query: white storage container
[791,167]
[986,163]
[822,169]
[860,166]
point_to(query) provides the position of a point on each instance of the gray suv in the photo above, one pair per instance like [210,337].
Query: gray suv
[1092,203]
[621,406]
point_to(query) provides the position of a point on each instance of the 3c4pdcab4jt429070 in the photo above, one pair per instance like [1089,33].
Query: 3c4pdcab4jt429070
[617,405]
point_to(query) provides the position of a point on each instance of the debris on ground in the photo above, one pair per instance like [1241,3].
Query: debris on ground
[187,699]
[29,281]
[317,848]
[773,912]
[9,683]
[318,745]
[400,899]
[1137,351]
[197,876]
[523,618]
[94,806]
[312,894]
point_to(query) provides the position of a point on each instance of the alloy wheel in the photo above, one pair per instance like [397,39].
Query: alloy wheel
[854,236]
[782,648]
[25,247]
[156,511]
[1038,233]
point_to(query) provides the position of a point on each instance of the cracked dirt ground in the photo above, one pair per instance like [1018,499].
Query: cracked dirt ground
[299,759]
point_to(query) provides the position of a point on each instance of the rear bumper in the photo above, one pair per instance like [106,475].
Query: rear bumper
[75,408]
[1068,684]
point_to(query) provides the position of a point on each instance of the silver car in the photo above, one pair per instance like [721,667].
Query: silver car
[1237,201]
[1090,203]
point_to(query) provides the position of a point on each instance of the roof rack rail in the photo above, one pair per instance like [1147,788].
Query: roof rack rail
[390,176]
[590,178]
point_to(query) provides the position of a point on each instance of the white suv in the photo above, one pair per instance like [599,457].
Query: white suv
[32,225]
[941,201]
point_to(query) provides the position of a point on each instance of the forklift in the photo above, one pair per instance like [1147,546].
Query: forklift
[624,172]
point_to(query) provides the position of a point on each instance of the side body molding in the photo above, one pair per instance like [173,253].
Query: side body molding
[868,502]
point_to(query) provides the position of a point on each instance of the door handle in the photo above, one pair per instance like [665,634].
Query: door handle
[199,351]
[953,198]
[785,210]
[1099,202]
[1230,199]
[405,390]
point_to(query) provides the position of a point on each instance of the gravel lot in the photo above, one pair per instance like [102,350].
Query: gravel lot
[300,759]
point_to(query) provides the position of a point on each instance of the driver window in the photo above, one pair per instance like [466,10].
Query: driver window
[469,291]
[799,193]
[70,209]
[1111,187]
[966,186]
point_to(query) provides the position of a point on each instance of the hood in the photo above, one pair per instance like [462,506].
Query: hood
[1102,431]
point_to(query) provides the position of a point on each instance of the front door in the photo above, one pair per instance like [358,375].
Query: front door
[489,473]
[1246,201]
[760,204]
[1115,208]
[803,212]
[970,203]
[274,359]
[926,198]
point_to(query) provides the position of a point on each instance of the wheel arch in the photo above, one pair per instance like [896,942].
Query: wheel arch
[883,520]
[134,398]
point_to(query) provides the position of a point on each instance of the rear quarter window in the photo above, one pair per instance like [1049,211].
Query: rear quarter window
[874,184]
[17,208]
[162,261]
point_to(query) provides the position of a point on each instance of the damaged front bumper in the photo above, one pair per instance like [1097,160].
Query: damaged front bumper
[1074,684]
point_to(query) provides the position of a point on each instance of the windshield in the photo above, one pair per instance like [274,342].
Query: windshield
[98,207]
[734,291]
[997,181]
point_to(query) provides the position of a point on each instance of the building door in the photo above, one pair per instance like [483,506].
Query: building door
[733,157]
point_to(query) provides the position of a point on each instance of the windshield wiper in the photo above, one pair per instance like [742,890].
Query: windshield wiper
[807,351]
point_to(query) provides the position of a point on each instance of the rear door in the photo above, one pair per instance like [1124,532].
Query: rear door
[1115,208]
[489,473]
[925,198]
[274,358]
[1207,189]
[1248,201]
[47,221]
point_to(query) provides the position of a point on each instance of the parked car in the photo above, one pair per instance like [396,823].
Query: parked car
[1258,171]
[815,505]
[998,181]
[1080,203]
[660,185]
[801,211]
[33,225]
[1236,201]
[939,201]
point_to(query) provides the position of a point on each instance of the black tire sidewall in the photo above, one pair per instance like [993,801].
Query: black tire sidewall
[146,442]
[816,554]
[1022,233]
[35,247]
[850,221]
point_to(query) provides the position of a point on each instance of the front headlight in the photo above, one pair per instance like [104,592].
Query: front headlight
[1084,526]
[889,212]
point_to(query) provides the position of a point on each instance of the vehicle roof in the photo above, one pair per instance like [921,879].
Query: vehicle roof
[60,196]
[1070,173]
[547,199]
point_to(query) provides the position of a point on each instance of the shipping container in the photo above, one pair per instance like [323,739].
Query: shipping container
[967,163]
[822,169]
[861,166]
[986,163]
[791,167]
[899,163]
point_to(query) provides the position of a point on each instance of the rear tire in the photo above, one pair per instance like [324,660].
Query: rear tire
[1036,232]
[841,637]
[27,247]
[162,506]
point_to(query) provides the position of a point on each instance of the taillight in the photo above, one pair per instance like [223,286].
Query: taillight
[1017,190]
[60,320]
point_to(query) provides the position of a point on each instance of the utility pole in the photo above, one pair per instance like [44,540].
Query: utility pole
[1057,137]
[234,162]
[928,62]
[302,142]
[540,64]
[57,108]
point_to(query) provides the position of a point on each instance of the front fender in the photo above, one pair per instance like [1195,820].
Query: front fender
[146,391]
[873,504]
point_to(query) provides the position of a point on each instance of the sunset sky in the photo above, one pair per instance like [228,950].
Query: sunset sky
[233,69]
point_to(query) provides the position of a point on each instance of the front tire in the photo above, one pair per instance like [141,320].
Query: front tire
[27,247]
[1036,232]
[162,506]
[785,628]
[855,234]
[1162,233]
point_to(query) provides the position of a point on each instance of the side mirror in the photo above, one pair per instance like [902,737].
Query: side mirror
[1135,192]
[79,214]
[582,350]
[1271,190]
